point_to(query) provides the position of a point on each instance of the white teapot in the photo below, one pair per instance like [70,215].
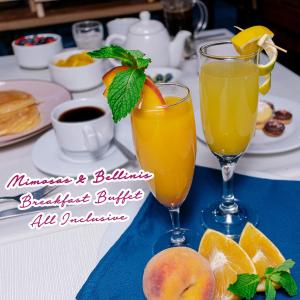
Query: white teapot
[152,38]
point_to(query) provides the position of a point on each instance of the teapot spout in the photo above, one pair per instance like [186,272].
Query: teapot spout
[177,47]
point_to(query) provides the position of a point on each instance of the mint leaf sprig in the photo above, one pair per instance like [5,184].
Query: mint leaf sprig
[130,58]
[126,88]
[246,284]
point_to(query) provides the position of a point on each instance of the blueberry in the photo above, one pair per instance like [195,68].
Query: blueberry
[168,77]
[42,41]
[159,78]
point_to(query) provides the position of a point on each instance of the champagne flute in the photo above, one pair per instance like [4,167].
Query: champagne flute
[229,86]
[165,142]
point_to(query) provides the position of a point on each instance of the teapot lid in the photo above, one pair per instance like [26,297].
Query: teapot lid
[146,25]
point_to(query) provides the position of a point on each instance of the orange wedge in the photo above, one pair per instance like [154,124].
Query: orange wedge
[227,259]
[261,250]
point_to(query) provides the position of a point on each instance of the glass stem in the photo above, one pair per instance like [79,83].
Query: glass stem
[177,236]
[228,205]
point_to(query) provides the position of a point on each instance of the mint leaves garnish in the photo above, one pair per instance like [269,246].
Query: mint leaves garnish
[246,284]
[126,88]
[288,264]
[269,290]
[288,283]
[125,92]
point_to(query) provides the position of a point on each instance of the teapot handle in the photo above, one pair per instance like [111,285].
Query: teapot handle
[110,40]
[202,24]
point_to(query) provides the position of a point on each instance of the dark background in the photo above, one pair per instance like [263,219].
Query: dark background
[281,16]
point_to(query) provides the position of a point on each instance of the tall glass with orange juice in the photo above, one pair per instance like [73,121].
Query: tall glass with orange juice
[165,142]
[229,96]
[229,87]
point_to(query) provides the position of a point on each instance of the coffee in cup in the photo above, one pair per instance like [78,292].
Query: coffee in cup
[84,129]
[81,114]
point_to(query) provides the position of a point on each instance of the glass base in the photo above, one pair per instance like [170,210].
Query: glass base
[230,224]
[190,239]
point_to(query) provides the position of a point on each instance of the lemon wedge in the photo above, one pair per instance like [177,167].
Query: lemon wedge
[255,39]
[246,41]
[266,43]
[266,85]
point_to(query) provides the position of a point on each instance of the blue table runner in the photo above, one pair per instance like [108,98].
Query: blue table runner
[119,273]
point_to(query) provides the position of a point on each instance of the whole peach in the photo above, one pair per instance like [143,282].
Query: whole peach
[178,273]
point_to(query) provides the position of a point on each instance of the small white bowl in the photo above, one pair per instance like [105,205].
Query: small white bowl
[37,56]
[166,74]
[76,79]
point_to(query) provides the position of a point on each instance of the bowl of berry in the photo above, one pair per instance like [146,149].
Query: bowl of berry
[164,74]
[35,51]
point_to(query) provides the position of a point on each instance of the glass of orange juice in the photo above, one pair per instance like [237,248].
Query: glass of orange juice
[165,142]
[229,86]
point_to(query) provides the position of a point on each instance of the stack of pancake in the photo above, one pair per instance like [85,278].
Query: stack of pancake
[18,112]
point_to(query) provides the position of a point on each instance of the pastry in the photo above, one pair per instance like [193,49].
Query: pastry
[273,128]
[18,112]
[18,121]
[283,116]
[13,100]
[264,113]
[269,103]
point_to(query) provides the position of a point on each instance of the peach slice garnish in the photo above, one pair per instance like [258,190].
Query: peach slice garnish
[151,95]
[109,76]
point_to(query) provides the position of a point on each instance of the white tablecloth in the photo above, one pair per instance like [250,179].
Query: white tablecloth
[53,263]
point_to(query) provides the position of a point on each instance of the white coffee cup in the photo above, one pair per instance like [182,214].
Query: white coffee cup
[120,25]
[83,141]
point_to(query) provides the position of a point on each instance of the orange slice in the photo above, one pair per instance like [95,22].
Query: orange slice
[227,259]
[261,250]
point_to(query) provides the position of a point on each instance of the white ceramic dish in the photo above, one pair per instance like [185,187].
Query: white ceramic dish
[76,79]
[37,56]
[48,95]
[164,72]
[263,144]
[84,140]
[120,25]
[152,38]
[48,158]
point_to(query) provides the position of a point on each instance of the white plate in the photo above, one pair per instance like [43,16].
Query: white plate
[47,157]
[263,144]
[47,93]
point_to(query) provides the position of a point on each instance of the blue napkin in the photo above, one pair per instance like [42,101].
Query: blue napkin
[119,273]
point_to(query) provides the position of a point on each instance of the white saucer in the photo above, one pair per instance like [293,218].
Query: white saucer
[47,157]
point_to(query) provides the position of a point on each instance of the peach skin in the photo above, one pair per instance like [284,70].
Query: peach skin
[151,96]
[178,273]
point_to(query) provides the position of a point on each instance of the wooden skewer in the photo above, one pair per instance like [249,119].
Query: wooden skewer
[277,47]
[239,28]
[270,44]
